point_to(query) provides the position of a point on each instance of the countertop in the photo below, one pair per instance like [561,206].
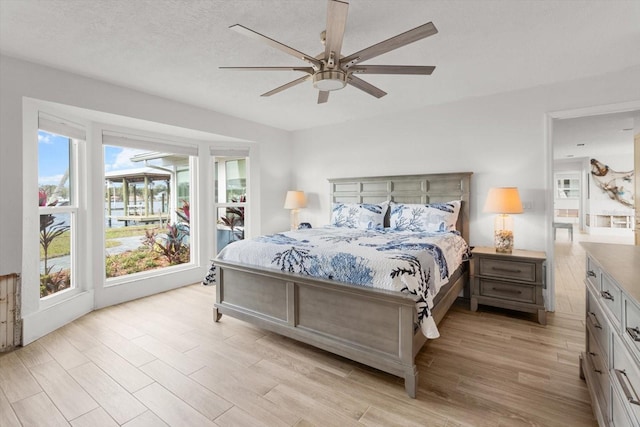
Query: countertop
[621,262]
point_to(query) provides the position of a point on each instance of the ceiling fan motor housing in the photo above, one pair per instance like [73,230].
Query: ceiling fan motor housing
[328,80]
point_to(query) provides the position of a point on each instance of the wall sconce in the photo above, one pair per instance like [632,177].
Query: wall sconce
[294,201]
[503,201]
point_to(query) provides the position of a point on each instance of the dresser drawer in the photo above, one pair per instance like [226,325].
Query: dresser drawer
[611,296]
[593,272]
[619,415]
[599,362]
[508,291]
[627,377]
[597,322]
[632,325]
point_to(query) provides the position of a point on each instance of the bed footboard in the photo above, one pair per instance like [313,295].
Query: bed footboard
[371,326]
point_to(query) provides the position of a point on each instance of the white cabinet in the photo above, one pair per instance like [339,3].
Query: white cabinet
[611,361]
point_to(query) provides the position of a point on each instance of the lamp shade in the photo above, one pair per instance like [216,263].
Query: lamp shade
[295,200]
[503,200]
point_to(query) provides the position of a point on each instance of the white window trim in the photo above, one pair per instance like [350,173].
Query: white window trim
[114,290]
[40,318]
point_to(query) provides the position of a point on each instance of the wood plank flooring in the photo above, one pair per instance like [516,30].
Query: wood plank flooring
[162,361]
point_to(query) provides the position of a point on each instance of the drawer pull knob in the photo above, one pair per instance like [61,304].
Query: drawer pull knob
[635,333]
[591,273]
[507,270]
[507,291]
[594,320]
[606,295]
[592,354]
[629,391]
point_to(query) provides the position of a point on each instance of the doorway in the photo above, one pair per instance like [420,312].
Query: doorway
[574,138]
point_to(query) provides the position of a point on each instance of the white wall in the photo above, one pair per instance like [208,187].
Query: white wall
[20,79]
[500,138]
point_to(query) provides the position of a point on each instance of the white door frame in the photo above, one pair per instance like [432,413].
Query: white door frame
[549,117]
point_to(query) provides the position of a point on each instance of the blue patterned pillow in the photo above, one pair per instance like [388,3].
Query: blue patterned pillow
[431,217]
[358,215]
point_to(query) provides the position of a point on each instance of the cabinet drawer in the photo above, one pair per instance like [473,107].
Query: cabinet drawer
[619,416]
[626,375]
[593,272]
[508,291]
[597,322]
[600,365]
[632,325]
[611,296]
[508,269]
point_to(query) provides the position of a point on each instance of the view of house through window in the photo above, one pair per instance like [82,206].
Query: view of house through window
[147,209]
[230,198]
[57,207]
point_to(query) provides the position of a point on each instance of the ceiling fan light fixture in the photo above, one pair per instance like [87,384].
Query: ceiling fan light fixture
[329,80]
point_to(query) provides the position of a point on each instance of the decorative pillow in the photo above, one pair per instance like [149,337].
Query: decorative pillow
[358,215]
[431,217]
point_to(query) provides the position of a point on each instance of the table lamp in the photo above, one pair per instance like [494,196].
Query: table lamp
[503,201]
[295,200]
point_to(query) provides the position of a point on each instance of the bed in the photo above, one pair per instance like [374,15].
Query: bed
[377,327]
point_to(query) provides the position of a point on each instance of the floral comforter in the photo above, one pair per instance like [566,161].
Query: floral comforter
[417,263]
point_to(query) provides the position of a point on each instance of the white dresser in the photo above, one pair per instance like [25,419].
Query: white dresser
[611,361]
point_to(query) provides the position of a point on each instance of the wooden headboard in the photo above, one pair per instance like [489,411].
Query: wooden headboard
[428,188]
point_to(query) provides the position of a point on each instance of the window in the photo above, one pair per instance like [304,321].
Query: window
[147,205]
[568,188]
[230,198]
[75,189]
[58,203]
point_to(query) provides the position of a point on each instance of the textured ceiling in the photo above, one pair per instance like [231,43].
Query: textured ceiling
[173,48]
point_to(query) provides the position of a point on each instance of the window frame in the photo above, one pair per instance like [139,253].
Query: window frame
[77,217]
[136,139]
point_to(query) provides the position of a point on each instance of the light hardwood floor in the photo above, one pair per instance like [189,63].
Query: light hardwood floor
[162,361]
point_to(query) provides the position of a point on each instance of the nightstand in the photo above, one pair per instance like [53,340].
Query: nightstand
[513,281]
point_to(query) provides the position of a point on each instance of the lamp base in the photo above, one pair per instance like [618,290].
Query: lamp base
[294,219]
[503,234]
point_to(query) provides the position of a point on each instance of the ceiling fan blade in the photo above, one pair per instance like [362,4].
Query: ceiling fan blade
[273,43]
[366,87]
[323,96]
[308,70]
[336,23]
[396,42]
[392,69]
[286,86]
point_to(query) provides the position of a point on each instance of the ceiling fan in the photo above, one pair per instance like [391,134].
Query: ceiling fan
[330,70]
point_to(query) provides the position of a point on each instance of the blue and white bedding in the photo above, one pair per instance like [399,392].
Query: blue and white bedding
[417,263]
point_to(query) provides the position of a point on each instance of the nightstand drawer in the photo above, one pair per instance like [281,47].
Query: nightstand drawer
[508,291]
[508,269]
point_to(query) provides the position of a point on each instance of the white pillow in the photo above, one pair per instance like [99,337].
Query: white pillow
[365,216]
[431,217]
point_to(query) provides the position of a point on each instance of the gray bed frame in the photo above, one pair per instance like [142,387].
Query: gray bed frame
[371,326]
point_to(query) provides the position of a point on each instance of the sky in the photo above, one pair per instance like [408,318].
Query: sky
[53,158]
